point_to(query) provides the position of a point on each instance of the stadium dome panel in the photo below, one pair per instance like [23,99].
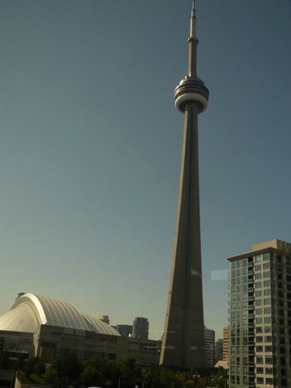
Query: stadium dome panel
[21,318]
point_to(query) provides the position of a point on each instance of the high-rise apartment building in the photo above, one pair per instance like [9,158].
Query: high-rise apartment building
[140,328]
[260,317]
[124,330]
[218,350]
[209,347]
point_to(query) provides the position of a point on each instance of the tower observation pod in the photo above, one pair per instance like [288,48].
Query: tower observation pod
[183,339]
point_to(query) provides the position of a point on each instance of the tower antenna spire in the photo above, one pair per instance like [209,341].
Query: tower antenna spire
[192,42]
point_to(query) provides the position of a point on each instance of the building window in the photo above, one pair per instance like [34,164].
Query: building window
[268,360]
[245,322]
[258,267]
[268,338]
[267,283]
[267,292]
[266,265]
[283,362]
[260,380]
[266,256]
[259,320]
[259,339]
[258,302]
[260,370]
[258,259]
[258,276]
[259,348]
[259,311]
[258,284]
[260,360]
[267,319]
[258,293]
[266,274]
[267,301]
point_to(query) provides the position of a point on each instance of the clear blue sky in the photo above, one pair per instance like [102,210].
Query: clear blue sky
[91,143]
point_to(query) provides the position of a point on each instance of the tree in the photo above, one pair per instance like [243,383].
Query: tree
[100,372]
[68,365]
[5,363]
[130,374]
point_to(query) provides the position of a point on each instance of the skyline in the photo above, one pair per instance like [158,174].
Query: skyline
[88,196]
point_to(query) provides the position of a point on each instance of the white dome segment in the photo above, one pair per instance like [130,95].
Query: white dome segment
[30,310]
[21,318]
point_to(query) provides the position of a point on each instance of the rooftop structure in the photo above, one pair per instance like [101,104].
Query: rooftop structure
[30,311]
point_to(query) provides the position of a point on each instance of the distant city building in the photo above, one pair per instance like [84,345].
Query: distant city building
[105,318]
[218,353]
[209,347]
[140,328]
[225,356]
[260,317]
[124,330]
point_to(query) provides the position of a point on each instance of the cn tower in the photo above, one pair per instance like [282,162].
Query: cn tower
[183,338]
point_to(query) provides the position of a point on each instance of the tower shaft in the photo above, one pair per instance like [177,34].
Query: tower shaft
[183,340]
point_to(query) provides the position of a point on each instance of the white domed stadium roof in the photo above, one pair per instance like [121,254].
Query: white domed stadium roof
[30,311]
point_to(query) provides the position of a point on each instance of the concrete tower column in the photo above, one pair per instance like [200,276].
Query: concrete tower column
[183,339]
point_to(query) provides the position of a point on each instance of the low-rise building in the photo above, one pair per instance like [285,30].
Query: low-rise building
[44,327]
